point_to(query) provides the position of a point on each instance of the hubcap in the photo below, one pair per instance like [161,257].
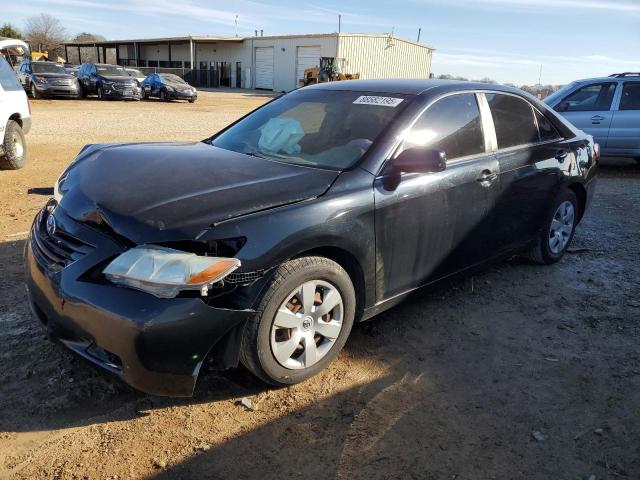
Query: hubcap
[561,227]
[18,147]
[307,325]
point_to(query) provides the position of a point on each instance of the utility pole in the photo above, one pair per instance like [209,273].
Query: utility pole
[236,25]
[339,22]
[419,32]
[540,76]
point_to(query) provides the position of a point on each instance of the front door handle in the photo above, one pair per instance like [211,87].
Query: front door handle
[487,177]
[561,155]
[596,119]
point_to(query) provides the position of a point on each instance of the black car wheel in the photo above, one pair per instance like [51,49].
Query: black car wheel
[302,321]
[558,230]
[163,96]
[35,94]
[191,100]
[14,146]
[82,92]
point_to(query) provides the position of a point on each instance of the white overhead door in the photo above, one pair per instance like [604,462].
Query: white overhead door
[264,67]
[308,57]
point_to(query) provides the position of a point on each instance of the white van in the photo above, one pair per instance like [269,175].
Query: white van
[15,119]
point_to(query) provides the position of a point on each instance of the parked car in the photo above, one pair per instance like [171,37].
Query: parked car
[324,207]
[15,119]
[107,81]
[47,79]
[608,108]
[167,86]
[137,74]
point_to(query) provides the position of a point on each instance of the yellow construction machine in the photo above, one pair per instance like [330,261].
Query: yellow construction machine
[330,70]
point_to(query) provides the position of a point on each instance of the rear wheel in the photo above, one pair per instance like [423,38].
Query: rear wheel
[14,145]
[302,322]
[35,94]
[558,231]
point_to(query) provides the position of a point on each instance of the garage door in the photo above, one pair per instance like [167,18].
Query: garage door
[264,67]
[307,57]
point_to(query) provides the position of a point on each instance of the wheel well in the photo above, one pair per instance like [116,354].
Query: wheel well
[347,261]
[16,118]
[581,195]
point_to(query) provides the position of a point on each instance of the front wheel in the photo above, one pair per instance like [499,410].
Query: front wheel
[14,147]
[559,228]
[35,94]
[302,322]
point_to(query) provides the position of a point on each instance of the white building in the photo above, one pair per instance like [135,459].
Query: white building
[267,62]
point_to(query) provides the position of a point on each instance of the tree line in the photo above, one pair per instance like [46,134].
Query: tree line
[45,33]
[540,91]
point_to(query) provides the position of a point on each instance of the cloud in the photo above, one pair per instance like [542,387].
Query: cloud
[631,6]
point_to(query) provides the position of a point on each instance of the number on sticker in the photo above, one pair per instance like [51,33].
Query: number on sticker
[380,101]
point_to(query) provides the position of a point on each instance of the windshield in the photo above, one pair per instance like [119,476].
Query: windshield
[135,73]
[111,70]
[551,99]
[324,128]
[171,78]
[46,68]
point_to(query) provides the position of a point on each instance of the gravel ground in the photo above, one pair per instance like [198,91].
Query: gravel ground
[518,372]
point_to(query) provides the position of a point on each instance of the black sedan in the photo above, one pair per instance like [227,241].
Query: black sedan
[167,86]
[266,242]
[107,81]
[47,79]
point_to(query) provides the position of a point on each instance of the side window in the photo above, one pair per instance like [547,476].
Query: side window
[545,127]
[513,120]
[8,77]
[590,98]
[452,125]
[630,96]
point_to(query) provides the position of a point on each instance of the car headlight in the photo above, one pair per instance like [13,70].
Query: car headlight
[41,79]
[169,89]
[58,188]
[164,272]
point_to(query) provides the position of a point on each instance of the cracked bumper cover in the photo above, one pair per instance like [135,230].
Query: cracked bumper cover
[155,345]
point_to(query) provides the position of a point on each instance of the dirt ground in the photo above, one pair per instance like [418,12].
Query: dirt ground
[520,372]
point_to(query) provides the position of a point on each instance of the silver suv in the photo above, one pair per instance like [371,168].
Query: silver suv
[608,108]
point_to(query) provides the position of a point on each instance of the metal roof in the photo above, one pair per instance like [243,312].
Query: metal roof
[223,38]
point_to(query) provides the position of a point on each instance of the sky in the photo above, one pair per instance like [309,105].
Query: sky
[506,40]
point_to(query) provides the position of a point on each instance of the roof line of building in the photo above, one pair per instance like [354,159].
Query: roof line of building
[221,38]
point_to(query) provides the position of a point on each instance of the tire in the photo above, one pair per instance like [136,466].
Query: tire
[15,147]
[83,92]
[35,94]
[191,100]
[163,96]
[554,238]
[256,351]
[100,94]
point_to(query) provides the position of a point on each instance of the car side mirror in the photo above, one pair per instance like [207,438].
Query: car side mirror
[562,107]
[420,160]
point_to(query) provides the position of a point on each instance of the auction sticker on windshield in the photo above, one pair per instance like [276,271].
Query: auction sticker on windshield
[381,101]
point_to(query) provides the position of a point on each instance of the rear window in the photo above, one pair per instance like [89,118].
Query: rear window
[8,78]
[547,131]
[513,120]
[630,96]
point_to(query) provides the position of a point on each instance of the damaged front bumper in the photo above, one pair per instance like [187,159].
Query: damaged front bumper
[155,345]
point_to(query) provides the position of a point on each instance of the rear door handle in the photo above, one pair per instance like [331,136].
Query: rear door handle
[487,177]
[596,119]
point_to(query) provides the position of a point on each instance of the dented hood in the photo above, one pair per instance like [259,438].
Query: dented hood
[149,192]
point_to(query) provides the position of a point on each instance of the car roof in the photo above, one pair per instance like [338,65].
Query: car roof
[610,78]
[410,86]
